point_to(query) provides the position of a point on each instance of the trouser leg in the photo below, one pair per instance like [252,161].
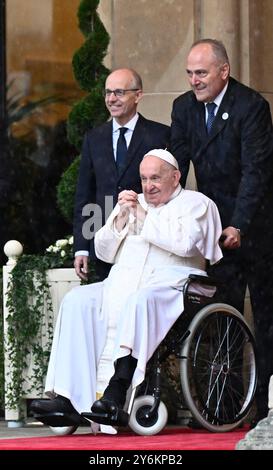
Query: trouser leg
[232,292]
[121,380]
[230,271]
[101,270]
[260,280]
[108,410]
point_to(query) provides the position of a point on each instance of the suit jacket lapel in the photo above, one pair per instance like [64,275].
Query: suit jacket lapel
[136,140]
[223,113]
[107,148]
[201,122]
[221,118]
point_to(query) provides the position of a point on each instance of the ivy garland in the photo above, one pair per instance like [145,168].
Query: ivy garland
[30,319]
[2,371]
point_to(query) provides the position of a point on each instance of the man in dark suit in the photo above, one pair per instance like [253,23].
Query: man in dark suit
[103,175]
[225,129]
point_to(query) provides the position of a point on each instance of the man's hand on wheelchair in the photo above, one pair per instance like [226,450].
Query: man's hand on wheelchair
[230,238]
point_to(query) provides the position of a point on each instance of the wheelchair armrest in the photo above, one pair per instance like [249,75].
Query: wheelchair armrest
[208,280]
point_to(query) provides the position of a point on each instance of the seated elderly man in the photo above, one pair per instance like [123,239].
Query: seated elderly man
[155,240]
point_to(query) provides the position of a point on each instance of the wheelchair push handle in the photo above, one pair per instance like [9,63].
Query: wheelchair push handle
[207,280]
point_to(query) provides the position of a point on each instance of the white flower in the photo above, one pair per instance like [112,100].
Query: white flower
[62,246]
[61,243]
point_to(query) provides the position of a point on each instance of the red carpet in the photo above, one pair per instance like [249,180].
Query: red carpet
[168,439]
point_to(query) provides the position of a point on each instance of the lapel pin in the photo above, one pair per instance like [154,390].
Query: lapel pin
[225,116]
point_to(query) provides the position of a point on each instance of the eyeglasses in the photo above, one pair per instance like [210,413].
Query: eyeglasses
[119,92]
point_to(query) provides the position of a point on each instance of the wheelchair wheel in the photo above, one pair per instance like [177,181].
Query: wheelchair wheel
[139,422]
[63,430]
[218,368]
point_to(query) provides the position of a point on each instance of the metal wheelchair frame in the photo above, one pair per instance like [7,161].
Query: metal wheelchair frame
[217,355]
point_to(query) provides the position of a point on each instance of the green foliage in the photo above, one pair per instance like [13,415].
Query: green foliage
[86,12]
[30,320]
[26,324]
[90,74]
[79,118]
[86,64]
[2,369]
[66,190]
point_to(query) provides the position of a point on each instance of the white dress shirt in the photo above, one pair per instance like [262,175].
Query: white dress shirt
[217,101]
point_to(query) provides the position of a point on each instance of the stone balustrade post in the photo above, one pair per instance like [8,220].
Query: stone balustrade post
[12,249]
[60,281]
[260,438]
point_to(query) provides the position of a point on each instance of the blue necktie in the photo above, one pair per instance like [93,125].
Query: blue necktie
[211,116]
[121,149]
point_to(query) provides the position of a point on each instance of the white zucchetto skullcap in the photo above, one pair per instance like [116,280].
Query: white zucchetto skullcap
[164,155]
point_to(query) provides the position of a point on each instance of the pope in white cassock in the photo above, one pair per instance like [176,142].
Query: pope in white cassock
[154,240]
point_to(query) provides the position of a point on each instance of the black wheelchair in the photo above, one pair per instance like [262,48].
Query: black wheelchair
[217,360]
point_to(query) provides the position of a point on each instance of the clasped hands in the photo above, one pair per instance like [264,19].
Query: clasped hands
[128,202]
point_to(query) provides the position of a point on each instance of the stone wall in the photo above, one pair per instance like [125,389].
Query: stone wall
[153,36]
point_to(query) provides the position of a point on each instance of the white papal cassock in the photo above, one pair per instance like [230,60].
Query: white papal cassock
[137,304]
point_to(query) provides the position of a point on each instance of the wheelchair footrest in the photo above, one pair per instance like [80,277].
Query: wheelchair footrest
[60,419]
[119,418]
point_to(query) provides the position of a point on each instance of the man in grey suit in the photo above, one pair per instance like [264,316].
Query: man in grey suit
[102,177]
[225,129]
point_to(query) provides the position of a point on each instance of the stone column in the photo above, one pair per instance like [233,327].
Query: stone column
[221,20]
[260,47]
[260,438]
[12,249]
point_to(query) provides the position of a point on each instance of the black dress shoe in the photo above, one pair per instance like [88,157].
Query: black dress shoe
[104,406]
[57,405]
[106,411]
